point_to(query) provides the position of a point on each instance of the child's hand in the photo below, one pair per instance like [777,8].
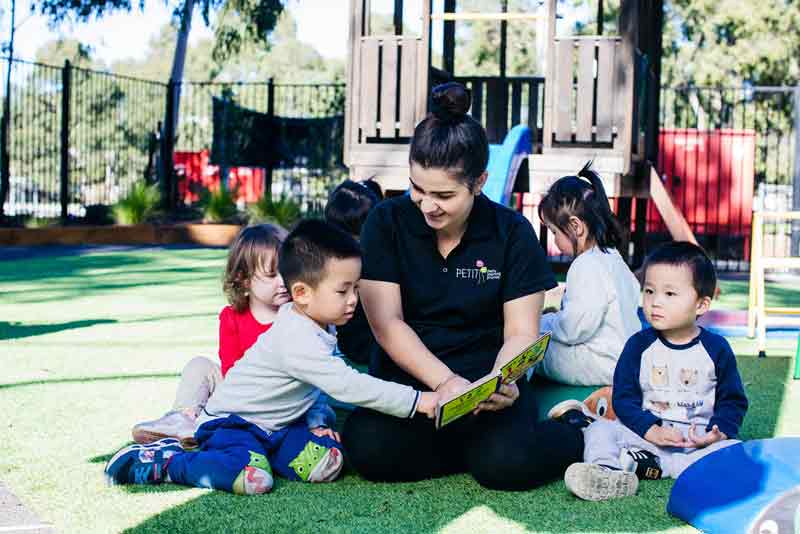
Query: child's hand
[321,431]
[704,441]
[428,401]
[666,436]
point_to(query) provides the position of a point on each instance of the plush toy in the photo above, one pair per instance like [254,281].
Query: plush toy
[599,404]
[595,406]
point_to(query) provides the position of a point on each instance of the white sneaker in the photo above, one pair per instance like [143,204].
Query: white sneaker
[592,482]
[172,425]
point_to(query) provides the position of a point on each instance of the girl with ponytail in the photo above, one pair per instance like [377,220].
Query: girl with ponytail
[599,307]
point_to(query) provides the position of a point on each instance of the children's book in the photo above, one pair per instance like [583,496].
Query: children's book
[461,404]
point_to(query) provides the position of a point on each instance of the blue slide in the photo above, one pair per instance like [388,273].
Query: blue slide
[752,487]
[504,163]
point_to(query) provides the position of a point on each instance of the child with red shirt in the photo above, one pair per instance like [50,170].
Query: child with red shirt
[255,291]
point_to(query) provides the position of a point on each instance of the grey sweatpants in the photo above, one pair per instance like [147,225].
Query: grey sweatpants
[199,379]
[604,440]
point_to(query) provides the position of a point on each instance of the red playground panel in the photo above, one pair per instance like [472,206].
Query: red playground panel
[709,174]
[196,173]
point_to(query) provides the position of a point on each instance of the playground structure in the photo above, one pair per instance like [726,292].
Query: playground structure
[758,313]
[600,102]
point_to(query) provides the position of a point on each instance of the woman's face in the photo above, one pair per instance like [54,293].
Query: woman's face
[444,201]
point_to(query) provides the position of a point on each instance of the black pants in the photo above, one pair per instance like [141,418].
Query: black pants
[504,450]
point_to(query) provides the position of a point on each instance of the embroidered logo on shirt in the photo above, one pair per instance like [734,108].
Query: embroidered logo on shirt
[480,273]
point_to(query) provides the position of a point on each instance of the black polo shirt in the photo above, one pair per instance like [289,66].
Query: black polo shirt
[455,305]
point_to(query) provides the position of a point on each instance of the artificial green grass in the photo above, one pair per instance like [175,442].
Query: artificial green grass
[91,344]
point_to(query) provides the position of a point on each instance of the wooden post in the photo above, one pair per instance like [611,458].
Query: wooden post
[424,65]
[599,17]
[66,97]
[449,45]
[503,39]
[398,17]
[755,254]
[550,70]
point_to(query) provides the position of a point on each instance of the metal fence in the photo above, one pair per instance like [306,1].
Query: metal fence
[725,152]
[79,137]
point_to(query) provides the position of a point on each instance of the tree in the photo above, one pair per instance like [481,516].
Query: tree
[478,42]
[236,22]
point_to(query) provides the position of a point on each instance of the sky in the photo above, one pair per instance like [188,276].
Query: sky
[321,23]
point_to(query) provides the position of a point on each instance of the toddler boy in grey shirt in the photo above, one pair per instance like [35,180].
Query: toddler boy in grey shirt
[255,420]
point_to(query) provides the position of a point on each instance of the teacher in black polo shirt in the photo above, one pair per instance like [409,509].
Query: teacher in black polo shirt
[453,286]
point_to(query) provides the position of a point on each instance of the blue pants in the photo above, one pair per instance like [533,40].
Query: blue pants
[236,456]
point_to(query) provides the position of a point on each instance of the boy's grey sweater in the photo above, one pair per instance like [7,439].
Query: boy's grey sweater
[280,377]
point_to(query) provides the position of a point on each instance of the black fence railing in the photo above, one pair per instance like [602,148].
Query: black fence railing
[79,137]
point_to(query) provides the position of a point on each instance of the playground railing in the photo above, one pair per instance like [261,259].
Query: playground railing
[758,313]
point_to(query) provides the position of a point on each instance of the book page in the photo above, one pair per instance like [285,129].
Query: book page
[465,402]
[519,364]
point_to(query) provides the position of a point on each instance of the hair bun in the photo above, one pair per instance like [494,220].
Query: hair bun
[450,102]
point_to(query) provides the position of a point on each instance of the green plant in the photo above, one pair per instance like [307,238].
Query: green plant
[40,222]
[283,211]
[218,205]
[140,204]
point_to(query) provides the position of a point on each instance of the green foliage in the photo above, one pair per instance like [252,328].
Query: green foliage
[283,211]
[218,205]
[140,204]
[236,21]
[726,42]
[40,222]
[478,42]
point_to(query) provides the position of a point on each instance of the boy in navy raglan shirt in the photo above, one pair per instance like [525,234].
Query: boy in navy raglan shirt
[677,392]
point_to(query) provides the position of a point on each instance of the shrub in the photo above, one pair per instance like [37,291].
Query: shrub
[283,211]
[140,204]
[41,222]
[218,205]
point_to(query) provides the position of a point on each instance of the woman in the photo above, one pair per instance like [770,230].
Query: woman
[453,286]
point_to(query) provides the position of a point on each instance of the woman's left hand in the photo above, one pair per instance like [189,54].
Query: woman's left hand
[502,399]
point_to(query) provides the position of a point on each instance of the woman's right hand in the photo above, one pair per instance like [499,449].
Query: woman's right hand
[453,385]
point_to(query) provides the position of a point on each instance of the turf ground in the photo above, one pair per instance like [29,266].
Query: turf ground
[92,343]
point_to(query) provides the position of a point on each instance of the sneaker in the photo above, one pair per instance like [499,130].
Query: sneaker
[176,425]
[142,464]
[572,416]
[645,464]
[592,482]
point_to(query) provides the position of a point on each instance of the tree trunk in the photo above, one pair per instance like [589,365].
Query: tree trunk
[170,125]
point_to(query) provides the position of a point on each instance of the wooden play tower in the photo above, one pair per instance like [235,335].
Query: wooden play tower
[598,98]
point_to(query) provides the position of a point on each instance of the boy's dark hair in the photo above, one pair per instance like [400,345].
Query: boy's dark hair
[254,250]
[450,139]
[704,276]
[571,196]
[306,251]
[348,206]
